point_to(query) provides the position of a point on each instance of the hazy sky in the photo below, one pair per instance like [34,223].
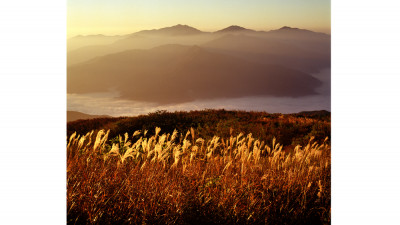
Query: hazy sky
[128,16]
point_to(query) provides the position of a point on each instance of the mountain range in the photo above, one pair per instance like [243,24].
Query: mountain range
[313,44]
[181,63]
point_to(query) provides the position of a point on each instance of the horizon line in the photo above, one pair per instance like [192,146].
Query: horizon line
[179,24]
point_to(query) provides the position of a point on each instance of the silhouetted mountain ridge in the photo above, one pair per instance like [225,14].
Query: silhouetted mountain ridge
[302,55]
[233,29]
[175,73]
[297,31]
[186,35]
[173,31]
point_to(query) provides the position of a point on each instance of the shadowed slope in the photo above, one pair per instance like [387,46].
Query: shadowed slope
[82,41]
[302,54]
[308,43]
[234,29]
[179,34]
[172,31]
[175,73]
[74,115]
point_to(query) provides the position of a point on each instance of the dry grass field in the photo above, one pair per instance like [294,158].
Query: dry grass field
[151,177]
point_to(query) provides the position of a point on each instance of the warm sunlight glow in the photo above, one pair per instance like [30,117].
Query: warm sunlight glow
[237,96]
[123,17]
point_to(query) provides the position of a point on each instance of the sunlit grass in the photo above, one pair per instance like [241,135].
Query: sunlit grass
[184,179]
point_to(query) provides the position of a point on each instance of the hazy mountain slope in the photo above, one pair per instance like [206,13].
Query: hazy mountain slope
[297,33]
[73,115]
[295,48]
[175,73]
[177,30]
[318,42]
[82,41]
[234,29]
[100,40]
[297,54]
[179,34]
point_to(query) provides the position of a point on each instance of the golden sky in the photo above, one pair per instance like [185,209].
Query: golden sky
[126,16]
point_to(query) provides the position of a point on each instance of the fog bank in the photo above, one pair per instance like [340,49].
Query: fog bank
[109,103]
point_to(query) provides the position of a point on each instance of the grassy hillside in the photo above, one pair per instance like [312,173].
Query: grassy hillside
[150,175]
[73,115]
[290,129]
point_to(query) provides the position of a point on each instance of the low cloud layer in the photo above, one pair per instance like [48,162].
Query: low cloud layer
[109,104]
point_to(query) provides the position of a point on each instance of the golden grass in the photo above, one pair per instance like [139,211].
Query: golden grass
[172,179]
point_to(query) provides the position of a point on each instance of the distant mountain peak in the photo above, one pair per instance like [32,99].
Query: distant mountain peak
[288,28]
[182,26]
[294,29]
[178,29]
[234,28]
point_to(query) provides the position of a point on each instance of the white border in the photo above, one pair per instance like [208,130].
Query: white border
[33,110]
[365,112]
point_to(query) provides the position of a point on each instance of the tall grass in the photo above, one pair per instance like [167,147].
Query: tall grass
[184,179]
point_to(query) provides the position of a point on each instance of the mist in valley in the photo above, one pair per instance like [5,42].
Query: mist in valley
[182,68]
[109,103]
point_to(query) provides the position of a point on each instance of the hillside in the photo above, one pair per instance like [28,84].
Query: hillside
[73,116]
[305,55]
[234,29]
[176,30]
[176,73]
[289,129]
[200,167]
[145,39]
[185,35]
[80,41]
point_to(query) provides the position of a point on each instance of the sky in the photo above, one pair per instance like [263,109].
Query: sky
[114,17]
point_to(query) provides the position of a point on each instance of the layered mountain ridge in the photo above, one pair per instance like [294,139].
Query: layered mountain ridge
[181,63]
